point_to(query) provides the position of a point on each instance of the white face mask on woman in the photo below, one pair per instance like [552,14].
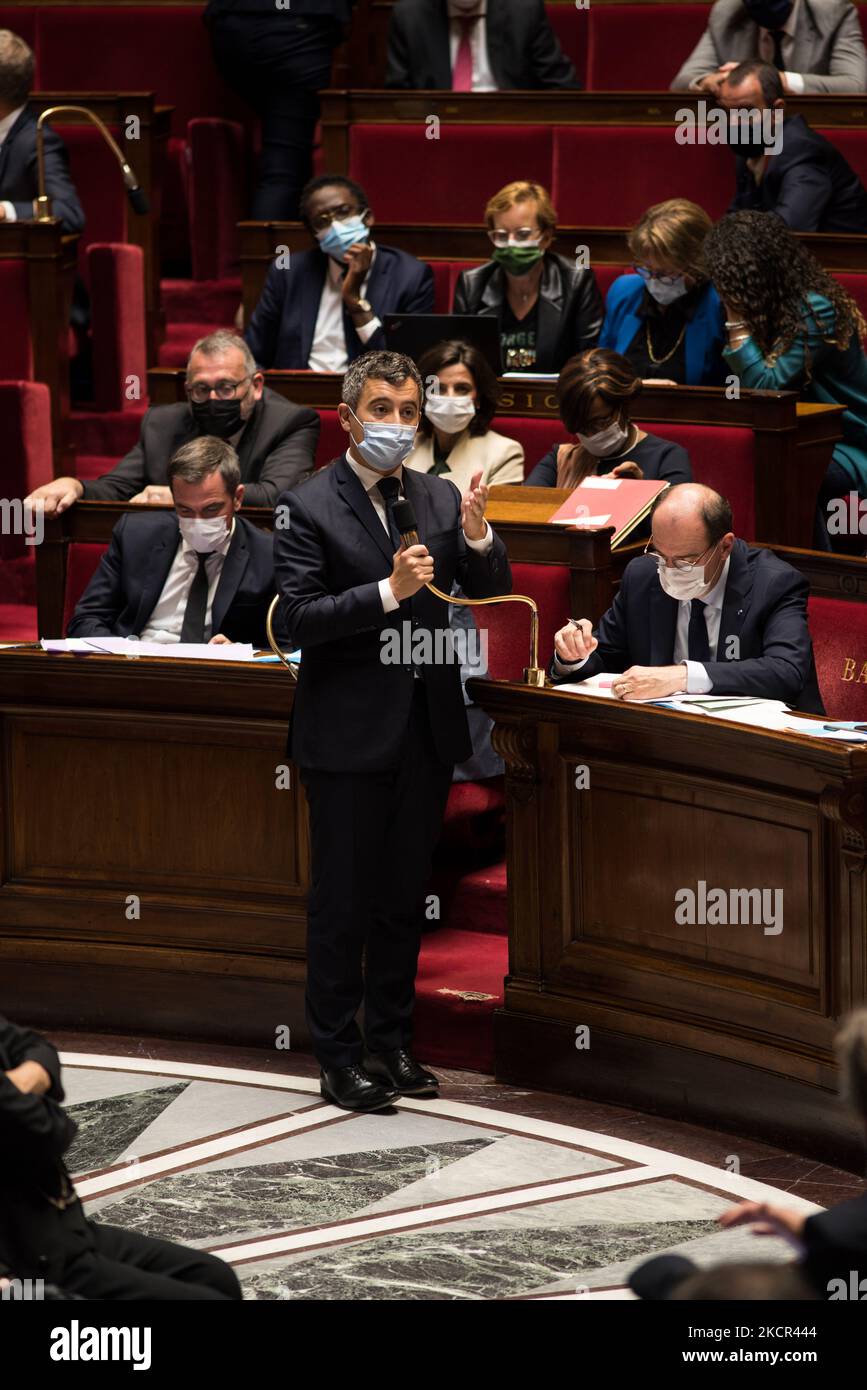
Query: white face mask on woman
[604,443]
[449,413]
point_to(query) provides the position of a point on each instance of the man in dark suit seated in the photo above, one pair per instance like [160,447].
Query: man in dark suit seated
[44,1233]
[198,574]
[805,181]
[227,397]
[701,613]
[378,720]
[19,184]
[475,46]
[324,307]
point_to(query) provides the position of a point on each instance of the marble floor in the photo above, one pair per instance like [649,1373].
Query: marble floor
[435,1199]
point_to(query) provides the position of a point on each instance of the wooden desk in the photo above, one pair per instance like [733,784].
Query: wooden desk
[728,1025]
[153,778]
[142,130]
[50,259]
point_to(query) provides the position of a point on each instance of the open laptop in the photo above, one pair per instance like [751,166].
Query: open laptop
[413,334]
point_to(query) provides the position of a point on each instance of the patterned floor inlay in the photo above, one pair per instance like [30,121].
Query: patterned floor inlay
[432,1200]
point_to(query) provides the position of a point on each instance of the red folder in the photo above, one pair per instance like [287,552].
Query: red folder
[618,502]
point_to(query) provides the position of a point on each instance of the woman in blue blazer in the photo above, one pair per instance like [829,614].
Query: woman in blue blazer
[666,319]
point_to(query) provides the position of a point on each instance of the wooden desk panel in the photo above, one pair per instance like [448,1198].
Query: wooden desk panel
[727,1024]
[158,779]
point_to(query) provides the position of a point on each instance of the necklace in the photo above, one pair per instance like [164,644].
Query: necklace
[657,361]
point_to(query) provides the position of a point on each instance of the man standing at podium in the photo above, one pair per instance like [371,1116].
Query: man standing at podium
[375,736]
[700,612]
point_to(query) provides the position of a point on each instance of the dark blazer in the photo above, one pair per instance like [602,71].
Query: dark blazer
[808,184]
[657,458]
[125,588]
[18,173]
[704,338]
[835,1243]
[765,606]
[570,306]
[522,47]
[36,1238]
[276,451]
[351,708]
[280,333]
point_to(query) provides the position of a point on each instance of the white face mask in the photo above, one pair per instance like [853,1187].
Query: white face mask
[684,584]
[667,294]
[203,533]
[450,413]
[606,442]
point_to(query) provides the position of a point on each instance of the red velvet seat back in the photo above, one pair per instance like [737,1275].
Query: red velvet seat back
[81,561]
[852,145]
[856,285]
[640,48]
[25,461]
[534,436]
[16,352]
[333,438]
[452,178]
[839,632]
[508,624]
[570,26]
[650,167]
[722,458]
[99,184]
[607,274]
[22,22]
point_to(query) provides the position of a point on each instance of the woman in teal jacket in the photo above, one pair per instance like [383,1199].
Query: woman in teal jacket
[666,319]
[791,326]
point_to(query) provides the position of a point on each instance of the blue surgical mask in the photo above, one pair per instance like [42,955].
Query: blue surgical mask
[384,445]
[341,235]
[666,294]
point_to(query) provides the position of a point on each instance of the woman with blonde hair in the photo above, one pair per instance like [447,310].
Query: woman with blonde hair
[666,318]
[546,307]
[596,393]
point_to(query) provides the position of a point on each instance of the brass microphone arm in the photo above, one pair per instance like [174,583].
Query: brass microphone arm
[43,202]
[532,673]
[272,641]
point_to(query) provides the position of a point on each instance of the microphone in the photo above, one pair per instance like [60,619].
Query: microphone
[403,513]
[134,191]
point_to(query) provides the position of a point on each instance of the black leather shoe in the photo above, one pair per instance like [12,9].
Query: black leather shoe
[400,1071]
[352,1089]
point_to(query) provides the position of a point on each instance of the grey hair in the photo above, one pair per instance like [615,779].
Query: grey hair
[391,367]
[196,460]
[223,340]
[850,1045]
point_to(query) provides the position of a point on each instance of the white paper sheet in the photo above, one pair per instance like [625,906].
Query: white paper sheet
[125,646]
[581,520]
[604,484]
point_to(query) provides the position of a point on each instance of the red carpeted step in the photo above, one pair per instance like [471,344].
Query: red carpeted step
[212,302]
[458,986]
[472,899]
[18,622]
[106,434]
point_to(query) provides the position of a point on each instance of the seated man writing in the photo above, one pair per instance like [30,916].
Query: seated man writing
[701,612]
[227,397]
[199,573]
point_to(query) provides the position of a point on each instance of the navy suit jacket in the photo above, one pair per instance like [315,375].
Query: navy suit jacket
[280,333]
[765,607]
[18,178]
[808,184]
[125,588]
[523,50]
[351,707]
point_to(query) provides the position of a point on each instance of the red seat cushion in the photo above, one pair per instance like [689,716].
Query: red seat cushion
[461,170]
[650,166]
[81,562]
[639,48]
[839,631]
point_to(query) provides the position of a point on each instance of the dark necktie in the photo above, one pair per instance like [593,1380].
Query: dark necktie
[390,492]
[193,629]
[698,646]
[777,40]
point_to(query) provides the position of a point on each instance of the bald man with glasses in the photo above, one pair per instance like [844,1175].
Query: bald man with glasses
[700,612]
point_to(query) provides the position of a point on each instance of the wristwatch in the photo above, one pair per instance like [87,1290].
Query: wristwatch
[361,306]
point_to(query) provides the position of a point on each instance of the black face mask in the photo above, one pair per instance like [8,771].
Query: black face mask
[222,418]
[769,14]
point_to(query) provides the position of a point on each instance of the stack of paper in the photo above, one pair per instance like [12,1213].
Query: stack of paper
[126,646]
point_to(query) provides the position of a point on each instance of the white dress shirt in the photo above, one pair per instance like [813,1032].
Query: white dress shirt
[483,77]
[167,618]
[698,681]
[5,126]
[328,351]
[369,479]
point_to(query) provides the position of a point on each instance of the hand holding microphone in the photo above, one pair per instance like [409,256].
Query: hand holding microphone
[413,568]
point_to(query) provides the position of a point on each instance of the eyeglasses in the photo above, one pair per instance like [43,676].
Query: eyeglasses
[683,562]
[325,219]
[500,237]
[647,274]
[223,390]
